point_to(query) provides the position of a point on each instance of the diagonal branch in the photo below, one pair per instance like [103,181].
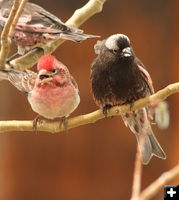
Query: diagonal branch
[5,36]
[136,186]
[152,189]
[8,30]
[78,18]
[92,117]
[16,18]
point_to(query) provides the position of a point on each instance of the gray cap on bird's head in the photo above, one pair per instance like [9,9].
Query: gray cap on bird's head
[117,41]
[120,45]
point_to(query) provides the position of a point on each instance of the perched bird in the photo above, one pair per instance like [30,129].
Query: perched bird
[37,26]
[52,92]
[118,77]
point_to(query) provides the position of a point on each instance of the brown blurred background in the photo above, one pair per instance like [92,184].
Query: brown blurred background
[94,161]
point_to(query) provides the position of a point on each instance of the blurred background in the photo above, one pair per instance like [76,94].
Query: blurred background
[94,161]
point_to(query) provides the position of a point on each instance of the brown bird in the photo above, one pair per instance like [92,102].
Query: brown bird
[118,77]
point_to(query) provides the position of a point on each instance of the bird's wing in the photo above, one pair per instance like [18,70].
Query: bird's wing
[74,82]
[148,80]
[145,75]
[36,19]
[23,81]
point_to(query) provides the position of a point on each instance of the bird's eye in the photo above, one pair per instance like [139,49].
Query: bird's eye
[54,70]
[115,51]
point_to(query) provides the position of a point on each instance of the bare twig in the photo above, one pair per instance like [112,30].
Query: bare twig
[136,186]
[91,117]
[16,18]
[152,189]
[5,37]
[78,18]
[8,30]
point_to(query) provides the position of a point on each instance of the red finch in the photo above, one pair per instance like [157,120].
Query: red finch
[37,26]
[52,92]
[118,77]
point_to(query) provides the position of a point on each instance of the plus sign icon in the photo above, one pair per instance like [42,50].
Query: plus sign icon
[171,192]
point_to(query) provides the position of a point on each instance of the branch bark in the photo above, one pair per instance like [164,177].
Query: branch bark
[16,18]
[136,186]
[8,30]
[152,189]
[92,117]
[78,18]
[5,36]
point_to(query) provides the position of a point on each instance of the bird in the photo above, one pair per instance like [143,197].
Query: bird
[37,26]
[52,92]
[118,77]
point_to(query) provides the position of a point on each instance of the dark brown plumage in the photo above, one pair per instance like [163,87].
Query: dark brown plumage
[118,77]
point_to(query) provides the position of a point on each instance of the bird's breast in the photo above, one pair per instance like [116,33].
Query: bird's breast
[54,102]
[117,85]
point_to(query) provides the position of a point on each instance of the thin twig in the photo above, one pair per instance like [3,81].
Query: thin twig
[157,185]
[16,18]
[91,117]
[136,186]
[78,18]
[5,37]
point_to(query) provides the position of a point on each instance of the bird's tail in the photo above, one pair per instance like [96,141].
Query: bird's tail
[150,147]
[76,37]
[139,124]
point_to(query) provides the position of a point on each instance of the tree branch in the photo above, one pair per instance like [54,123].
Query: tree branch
[5,36]
[16,18]
[152,189]
[136,186]
[8,30]
[53,127]
[79,17]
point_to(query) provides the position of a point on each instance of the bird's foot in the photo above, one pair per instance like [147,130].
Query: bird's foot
[64,122]
[131,106]
[106,109]
[35,122]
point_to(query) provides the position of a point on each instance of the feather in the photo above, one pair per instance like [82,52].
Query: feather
[139,124]
[23,81]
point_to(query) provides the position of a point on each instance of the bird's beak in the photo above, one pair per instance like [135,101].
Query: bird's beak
[127,52]
[44,76]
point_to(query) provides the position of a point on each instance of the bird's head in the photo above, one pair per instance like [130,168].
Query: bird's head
[118,46]
[51,70]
